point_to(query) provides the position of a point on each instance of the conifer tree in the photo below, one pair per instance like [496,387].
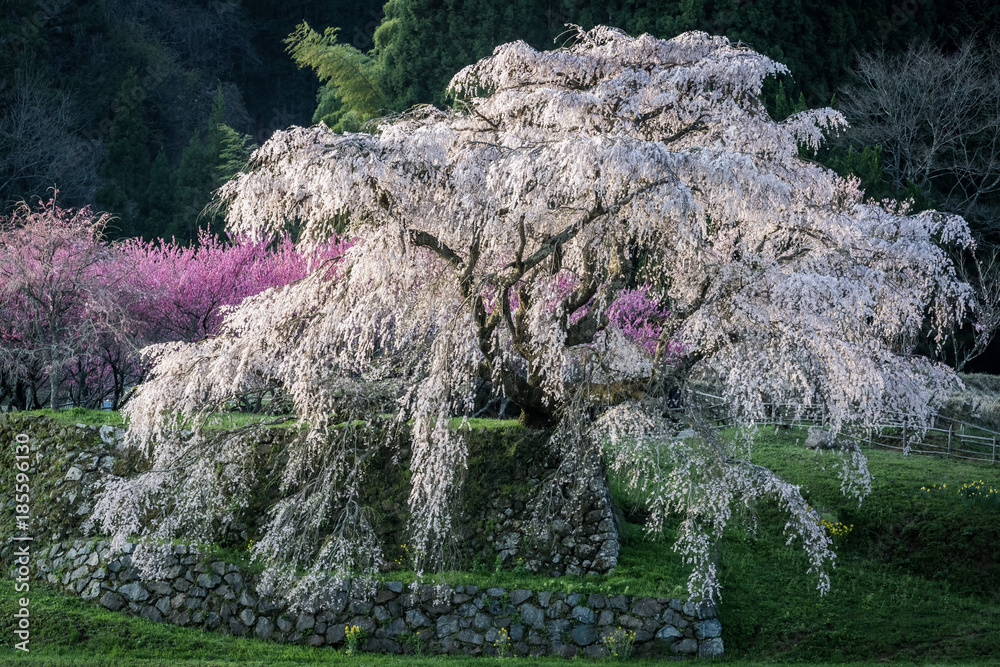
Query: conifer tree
[191,192]
[202,165]
[216,118]
[234,153]
[125,170]
[159,198]
[782,109]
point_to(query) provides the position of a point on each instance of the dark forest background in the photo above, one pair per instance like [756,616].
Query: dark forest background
[143,107]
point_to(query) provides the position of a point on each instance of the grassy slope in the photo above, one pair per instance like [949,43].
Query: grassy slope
[917,576]
[917,580]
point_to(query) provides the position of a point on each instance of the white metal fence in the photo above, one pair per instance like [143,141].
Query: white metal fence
[951,438]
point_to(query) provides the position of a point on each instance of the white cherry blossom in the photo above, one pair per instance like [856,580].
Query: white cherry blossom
[781,280]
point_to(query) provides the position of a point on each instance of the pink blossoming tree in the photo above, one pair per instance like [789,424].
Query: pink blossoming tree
[77,309]
[557,168]
[188,288]
[57,292]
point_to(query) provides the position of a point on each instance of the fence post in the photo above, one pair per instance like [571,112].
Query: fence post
[950,427]
[994,449]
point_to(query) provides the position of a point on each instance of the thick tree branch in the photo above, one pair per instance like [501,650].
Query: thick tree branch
[425,240]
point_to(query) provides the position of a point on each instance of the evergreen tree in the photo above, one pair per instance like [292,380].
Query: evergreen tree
[801,105]
[160,198]
[125,171]
[779,106]
[782,109]
[216,119]
[194,175]
[234,153]
[205,164]
[422,43]
[865,163]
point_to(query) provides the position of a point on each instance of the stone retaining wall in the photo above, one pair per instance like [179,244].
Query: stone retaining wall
[68,461]
[494,520]
[66,464]
[215,595]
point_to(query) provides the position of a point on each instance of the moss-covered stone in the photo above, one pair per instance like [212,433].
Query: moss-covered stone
[64,466]
[501,511]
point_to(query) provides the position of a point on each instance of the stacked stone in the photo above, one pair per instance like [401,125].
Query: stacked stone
[214,595]
[211,594]
[555,524]
[577,543]
[580,537]
[67,462]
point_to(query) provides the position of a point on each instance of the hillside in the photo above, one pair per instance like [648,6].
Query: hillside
[918,577]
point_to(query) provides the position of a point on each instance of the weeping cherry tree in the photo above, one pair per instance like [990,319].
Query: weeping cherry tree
[492,241]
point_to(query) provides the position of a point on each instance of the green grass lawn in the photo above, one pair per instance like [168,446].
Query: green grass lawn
[917,577]
[917,582]
[68,632]
[646,568]
[73,416]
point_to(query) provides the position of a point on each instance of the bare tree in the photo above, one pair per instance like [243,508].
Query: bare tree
[983,274]
[937,116]
[40,145]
